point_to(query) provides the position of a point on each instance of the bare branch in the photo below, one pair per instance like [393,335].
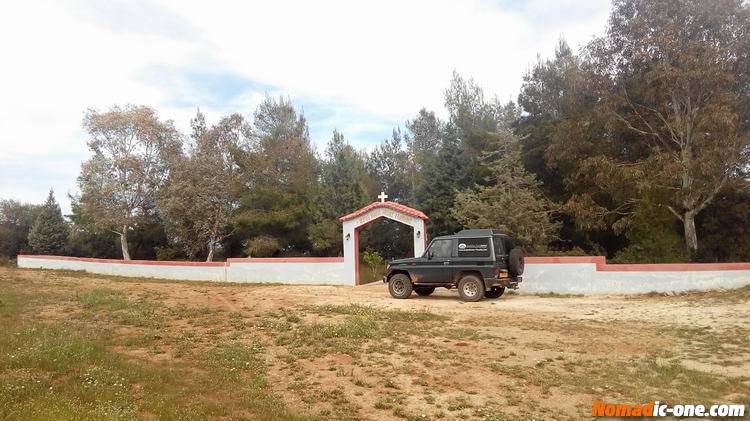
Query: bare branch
[680,217]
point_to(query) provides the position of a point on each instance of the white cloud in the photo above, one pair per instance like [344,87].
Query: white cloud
[366,66]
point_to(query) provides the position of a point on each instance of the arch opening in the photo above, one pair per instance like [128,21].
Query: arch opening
[356,221]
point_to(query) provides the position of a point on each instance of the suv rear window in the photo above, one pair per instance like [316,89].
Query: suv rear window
[503,245]
[473,247]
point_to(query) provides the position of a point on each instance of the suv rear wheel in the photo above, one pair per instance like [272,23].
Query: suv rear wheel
[400,286]
[424,291]
[495,292]
[471,288]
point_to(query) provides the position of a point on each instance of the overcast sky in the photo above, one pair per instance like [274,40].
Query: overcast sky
[363,68]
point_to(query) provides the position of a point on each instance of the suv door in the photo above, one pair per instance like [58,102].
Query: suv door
[435,266]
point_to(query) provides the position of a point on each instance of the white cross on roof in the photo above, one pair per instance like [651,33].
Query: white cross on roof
[382,197]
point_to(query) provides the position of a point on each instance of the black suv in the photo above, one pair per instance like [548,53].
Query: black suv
[480,262]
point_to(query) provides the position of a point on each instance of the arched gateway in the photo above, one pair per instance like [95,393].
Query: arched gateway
[382,209]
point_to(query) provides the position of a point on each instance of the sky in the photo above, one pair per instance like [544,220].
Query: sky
[360,67]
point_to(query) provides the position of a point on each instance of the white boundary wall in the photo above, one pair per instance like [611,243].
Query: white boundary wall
[135,268]
[301,270]
[328,271]
[584,278]
[564,275]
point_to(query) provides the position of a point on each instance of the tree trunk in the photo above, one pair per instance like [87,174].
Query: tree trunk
[691,236]
[211,247]
[124,243]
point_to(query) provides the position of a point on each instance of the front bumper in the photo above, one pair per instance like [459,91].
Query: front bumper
[512,283]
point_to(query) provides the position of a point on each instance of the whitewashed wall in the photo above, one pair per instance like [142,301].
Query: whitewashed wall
[583,278]
[327,271]
[564,275]
[189,271]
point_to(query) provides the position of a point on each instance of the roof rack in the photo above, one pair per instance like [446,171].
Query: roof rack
[479,232]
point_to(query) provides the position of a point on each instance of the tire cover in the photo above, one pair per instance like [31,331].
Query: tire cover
[515,262]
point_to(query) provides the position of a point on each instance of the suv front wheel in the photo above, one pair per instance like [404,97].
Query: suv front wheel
[471,288]
[400,286]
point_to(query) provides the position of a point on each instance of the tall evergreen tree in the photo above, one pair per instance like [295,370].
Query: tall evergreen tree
[389,166]
[423,138]
[49,234]
[443,177]
[548,99]
[510,199]
[560,128]
[279,170]
[342,189]
[391,170]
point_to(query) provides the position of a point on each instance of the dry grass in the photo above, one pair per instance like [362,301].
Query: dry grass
[89,347]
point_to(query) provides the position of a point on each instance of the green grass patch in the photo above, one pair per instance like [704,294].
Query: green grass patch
[649,377]
[316,339]
[53,372]
[350,329]
[379,313]
[73,368]
[103,298]
[631,380]
[115,305]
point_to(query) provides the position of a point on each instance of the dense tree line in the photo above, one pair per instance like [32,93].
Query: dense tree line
[636,147]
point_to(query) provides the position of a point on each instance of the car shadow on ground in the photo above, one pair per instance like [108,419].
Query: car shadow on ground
[455,298]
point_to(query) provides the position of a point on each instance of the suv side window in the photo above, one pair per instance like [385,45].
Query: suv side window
[473,247]
[441,248]
[499,246]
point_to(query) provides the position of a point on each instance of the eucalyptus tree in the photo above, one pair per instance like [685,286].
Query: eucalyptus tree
[131,149]
[676,75]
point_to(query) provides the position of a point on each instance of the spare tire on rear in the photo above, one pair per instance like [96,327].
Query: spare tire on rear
[515,262]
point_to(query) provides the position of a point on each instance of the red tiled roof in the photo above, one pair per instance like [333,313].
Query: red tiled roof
[390,205]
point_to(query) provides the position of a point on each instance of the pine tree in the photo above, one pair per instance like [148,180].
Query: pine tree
[280,171]
[511,199]
[342,189]
[443,176]
[49,234]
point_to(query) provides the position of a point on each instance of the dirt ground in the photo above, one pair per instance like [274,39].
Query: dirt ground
[355,353]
